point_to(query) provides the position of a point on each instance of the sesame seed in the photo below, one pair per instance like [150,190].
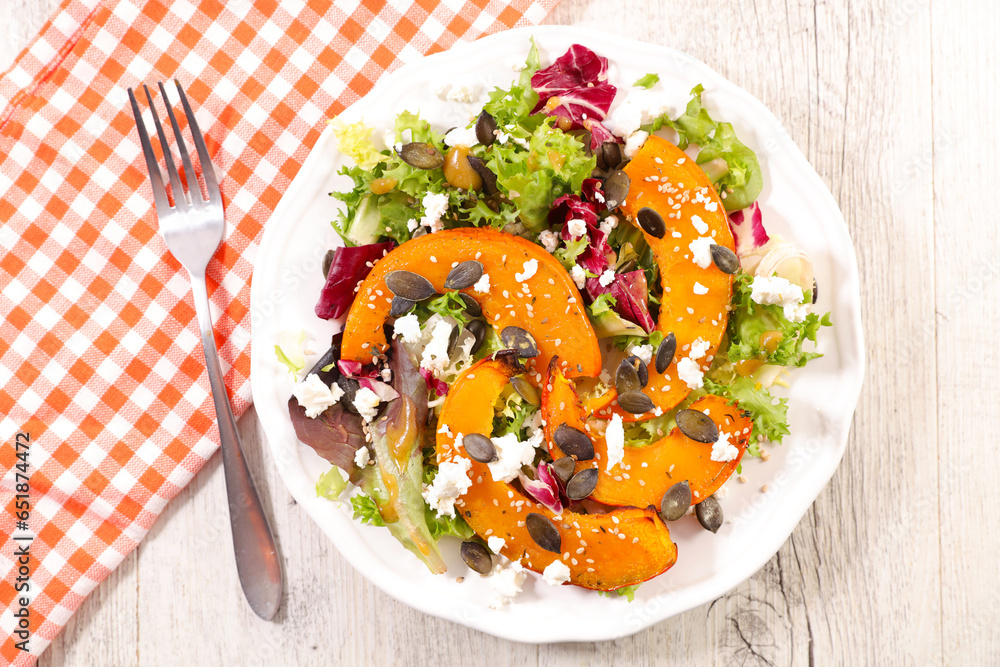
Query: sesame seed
[434,259]
[621,536]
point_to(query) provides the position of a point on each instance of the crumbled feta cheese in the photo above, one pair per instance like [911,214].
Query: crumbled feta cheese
[579,276]
[407,328]
[640,107]
[495,543]
[576,228]
[722,450]
[412,224]
[609,223]
[530,269]
[701,251]
[644,352]
[556,573]
[607,277]
[796,313]
[398,146]
[435,356]
[435,205]
[463,92]
[614,436]
[362,457]
[313,394]
[635,142]
[385,374]
[549,240]
[461,136]
[775,291]
[506,582]
[698,348]
[501,136]
[483,284]
[523,143]
[690,373]
[700,225]
[441,89]
[445,430]
[366,401]
[700,289]
[449,484]
[511,455]
[535,425]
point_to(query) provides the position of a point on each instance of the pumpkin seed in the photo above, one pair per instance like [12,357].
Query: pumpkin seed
[421,155]
[472,306]
[479,330]
[697,426]
[651,222]
[489,178]
[486,126]
[350,387]
[609,155]
[453,340]
[574,442]
[709,513]
[479,448]
[640,368]
[518,339]
[328,262]
[725,259]
[477,557]
[400,306]
[544,532]
[564,468]
[676,501]
[526,391]
[615,189]
[464,275]
[815,291]
[627,378]
[409,285]
[582,484]
[635,402]
[665,352]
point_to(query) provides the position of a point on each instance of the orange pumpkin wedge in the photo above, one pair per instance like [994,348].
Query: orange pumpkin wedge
[659,465]
[602,551]
[694,302]
[547,304]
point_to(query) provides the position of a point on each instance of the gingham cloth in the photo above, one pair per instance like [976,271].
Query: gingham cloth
[100,361]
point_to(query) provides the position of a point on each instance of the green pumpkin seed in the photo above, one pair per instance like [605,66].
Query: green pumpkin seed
[582,484]
[516,338]
[464,275]
[665,353]
[477,557]
[489,178]
[725,259]
[400,306]
[421,155]
[709,513]
[609,155]
[564,468]
[676,501]
[616,187]
[409,285]
[651,222]
[697,425]
[472,306]
[526,390]
[328,262]
[479,448]
[479,330]
[486,127]
[544,532]
[635,402]
[627,378]
[574,442]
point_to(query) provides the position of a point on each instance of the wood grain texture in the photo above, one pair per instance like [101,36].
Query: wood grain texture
[892,565]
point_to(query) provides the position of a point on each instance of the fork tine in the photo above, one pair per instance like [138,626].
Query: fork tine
[168,157]
[155,177]
[189,175]
[211,184]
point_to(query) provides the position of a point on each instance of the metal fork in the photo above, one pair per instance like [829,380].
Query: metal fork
[193,228]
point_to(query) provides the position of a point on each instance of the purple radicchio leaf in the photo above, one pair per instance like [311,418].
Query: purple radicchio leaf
[349,267]
[578,80]
[544,490]
[439,387]
[630,292]
[748,230]
[335,434]
[599,134]
[384,392]
[407,380]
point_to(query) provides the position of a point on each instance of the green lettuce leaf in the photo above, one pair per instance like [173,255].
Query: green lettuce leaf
[366,510]
[647,81]
[355,141]
[331,483]
[628,592]
[290,352]
[770,415]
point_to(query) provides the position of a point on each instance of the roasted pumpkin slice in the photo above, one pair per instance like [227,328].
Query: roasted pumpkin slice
[544,302]
[645,473]
[602,551]
[664,179]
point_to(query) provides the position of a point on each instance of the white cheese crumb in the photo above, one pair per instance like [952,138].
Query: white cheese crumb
[698,348]
[313,394]
[366,401]
[614,435]
[775,291]
[407,328]
[690,373]
[506,582]
[607,277]
[576,228]
[644,352]
[463,92]
[496,543]
[530,268]
[412,224]
[549,240]
[450,483]
[511,455]
[579,276]
[635,142]
[483,284]
[435,205]
[609,223]
[700,225]
[461,136]
[701,251]
[556,573]
[722,451]
[362,457]
[435,356]
[700,289]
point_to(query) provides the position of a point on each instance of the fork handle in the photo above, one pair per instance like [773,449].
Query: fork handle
[257,559]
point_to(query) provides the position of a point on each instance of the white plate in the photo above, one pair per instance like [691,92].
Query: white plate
[795,203]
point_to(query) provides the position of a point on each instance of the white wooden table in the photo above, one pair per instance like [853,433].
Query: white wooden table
[895,103]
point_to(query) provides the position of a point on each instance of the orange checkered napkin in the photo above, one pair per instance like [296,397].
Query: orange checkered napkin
[100,362]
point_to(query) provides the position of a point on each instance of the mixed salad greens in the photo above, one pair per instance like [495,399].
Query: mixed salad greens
[542,160]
